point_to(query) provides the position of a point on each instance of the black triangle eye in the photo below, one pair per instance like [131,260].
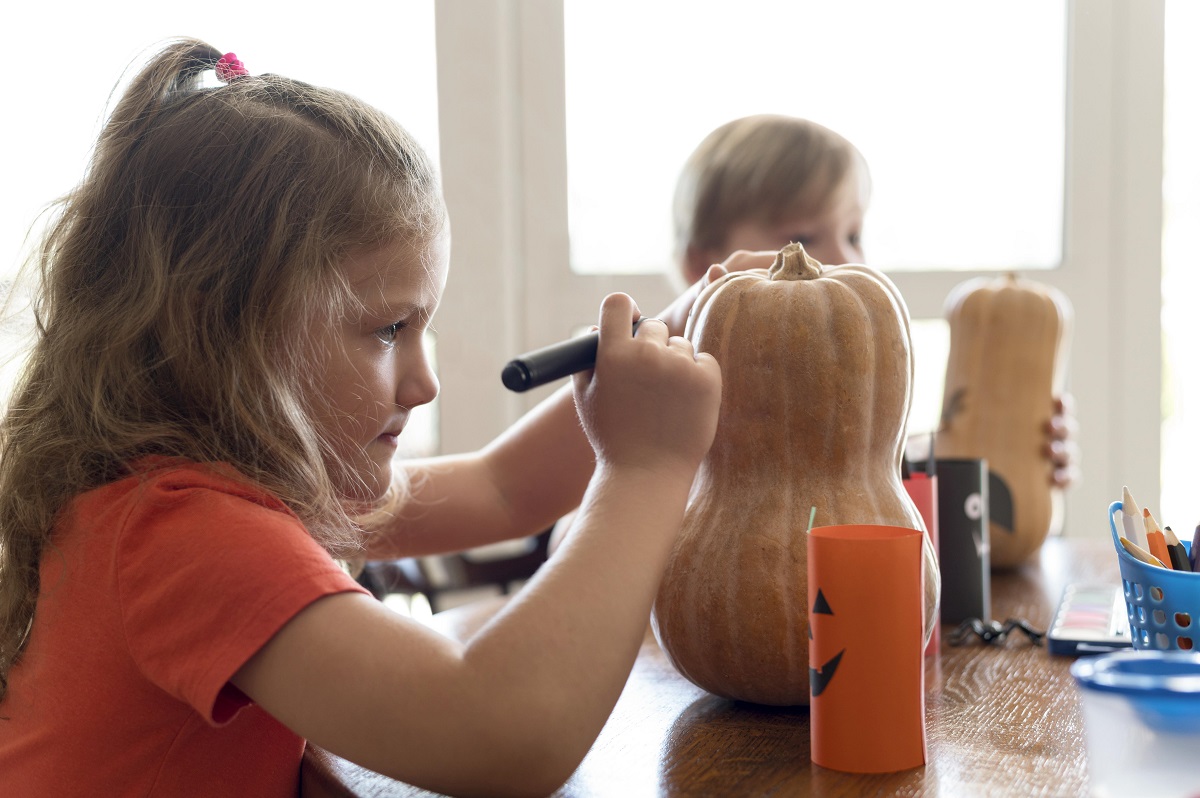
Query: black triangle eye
[821,606]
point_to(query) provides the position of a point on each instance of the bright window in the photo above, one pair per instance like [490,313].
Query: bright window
[58,87]
[1181,278]
[957,107]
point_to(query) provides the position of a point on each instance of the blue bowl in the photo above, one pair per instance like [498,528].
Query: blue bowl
[1163,687]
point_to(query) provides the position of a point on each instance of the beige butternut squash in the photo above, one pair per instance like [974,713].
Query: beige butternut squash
[1009,341]
[817,380]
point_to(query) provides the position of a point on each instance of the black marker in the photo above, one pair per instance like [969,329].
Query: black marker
[552,362]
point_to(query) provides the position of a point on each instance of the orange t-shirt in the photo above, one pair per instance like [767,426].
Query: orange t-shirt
[155,590]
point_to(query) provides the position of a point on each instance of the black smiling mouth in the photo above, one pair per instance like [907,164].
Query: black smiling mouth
[819,678]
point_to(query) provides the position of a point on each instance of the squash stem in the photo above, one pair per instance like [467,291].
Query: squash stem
[793,263]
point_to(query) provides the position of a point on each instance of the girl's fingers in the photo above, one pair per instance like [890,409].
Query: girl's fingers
[617,313]
[1065,477]
[682,345]
[1062,424]
[742,259]
[653,329]
[714,273]
[1060,428]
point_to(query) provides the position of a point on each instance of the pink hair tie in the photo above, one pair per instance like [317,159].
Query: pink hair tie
[229,68]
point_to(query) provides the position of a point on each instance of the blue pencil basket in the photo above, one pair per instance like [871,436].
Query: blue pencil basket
[1164,605]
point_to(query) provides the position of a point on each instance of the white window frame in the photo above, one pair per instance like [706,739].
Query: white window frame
[503,146]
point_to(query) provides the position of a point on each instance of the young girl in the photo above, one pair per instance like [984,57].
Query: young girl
[759,182]
[229,345]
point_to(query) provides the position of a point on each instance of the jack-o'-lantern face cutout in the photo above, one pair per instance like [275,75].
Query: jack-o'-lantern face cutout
[821,666]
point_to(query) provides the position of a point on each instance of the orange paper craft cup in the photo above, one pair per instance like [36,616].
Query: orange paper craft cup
[866,619]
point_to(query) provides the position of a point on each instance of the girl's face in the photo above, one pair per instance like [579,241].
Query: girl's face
[374,369]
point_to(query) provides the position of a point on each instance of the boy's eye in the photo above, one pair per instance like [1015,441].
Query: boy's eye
[388,334]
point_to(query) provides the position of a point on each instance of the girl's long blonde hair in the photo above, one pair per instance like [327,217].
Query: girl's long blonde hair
[174,288]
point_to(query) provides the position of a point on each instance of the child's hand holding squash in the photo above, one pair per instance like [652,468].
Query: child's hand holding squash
[676,314]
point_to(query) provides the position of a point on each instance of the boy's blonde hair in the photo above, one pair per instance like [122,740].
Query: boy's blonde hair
[764,168]
[176,286]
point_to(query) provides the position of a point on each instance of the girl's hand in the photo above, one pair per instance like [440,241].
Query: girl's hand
[676,314]
[1061,449]
[651,401]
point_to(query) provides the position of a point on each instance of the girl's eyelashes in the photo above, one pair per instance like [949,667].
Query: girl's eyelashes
[416,321]
[388,334]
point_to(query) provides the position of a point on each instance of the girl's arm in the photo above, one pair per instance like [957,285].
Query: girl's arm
[518,485]
[514,710]
[523,481]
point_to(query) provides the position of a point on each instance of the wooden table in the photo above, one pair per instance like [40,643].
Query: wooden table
[1000,720]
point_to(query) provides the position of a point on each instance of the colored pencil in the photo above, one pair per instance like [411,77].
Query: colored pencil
[1141,554]
[1179,557]
[1195,547]
[1130,517]
[1154,538]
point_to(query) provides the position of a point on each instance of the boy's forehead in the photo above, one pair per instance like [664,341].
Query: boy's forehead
[847,195]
